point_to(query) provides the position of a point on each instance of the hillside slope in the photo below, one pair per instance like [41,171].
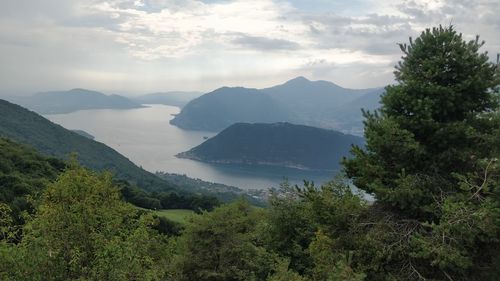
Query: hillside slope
[23,171]
[278,144]
[50,139]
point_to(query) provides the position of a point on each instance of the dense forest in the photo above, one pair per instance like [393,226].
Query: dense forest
[430,161]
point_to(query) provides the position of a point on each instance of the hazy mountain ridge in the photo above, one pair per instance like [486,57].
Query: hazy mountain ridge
[225,106]
[179,99]
[300,101]
[278,144]
[57,102]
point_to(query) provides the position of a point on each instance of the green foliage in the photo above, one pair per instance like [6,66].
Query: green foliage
[283,273]
[329,265]
[430,161]
[302,223]
[289,230]
[167,200]
[23,173]
[82,230]
[431,124]
[6,221]
[466,241]
[224,245]
[176,215]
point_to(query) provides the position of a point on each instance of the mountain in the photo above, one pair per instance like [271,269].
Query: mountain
[76,99]
[300,101]
[50,139]
[223,107]
[179,99]
[350,113]
[278,144]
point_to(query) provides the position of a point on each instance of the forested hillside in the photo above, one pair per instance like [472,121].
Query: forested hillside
[48,138]
[23,172]
[430,161]
[278,144]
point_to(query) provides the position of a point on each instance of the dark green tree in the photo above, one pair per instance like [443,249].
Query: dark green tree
[290,228]
[224,245]
[431,162]
[437,120]
[82,230]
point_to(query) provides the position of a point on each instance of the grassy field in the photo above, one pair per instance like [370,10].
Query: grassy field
[177,215]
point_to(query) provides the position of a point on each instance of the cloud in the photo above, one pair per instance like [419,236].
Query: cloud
[183,27]
[157,45]
[265,44]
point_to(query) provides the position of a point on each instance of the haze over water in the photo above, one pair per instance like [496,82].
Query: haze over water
[145,136]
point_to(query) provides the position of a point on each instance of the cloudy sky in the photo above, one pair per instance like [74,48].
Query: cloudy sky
[139,46]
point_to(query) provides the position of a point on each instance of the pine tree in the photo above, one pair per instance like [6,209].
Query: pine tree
[438,120]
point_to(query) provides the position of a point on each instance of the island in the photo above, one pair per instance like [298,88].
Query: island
[276,144]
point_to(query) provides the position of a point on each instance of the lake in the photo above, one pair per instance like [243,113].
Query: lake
[145,136]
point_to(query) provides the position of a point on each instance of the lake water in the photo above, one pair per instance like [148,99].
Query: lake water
[145,136]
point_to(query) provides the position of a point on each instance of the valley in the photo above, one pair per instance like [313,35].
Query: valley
[145,136]
[246,174]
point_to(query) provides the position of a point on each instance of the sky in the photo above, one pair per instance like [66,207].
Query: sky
[141,46]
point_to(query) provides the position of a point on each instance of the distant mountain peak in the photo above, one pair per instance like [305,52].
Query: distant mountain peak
[299,79]
[81,90]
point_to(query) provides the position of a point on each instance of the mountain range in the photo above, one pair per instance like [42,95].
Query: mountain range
[277,144]
[178,99]
[320,104]
[57,102]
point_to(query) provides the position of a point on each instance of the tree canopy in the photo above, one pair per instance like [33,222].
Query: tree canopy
[431,157]
[438,120]
[83,230]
